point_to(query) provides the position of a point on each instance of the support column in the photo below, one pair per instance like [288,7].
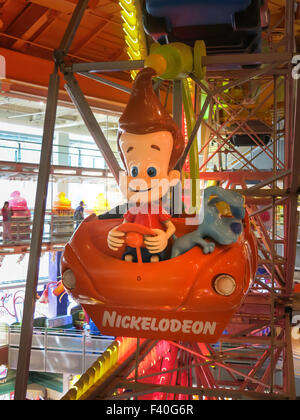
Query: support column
[36,241]
[40,205]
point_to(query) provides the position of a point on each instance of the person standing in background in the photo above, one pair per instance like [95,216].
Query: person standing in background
[6,216]
[79,214]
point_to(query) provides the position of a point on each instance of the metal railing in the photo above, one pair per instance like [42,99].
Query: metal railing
[86,155]
[58,351]
[57,230]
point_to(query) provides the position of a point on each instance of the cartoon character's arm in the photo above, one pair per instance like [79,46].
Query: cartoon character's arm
[159,243]
[207,247]
[115,238]
[171,229]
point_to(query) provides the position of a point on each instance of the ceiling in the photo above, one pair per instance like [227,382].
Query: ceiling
[29,33]
[36,28]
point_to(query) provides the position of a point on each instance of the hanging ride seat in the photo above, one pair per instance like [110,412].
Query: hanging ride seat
[196,12]
[232,26]
[178,299]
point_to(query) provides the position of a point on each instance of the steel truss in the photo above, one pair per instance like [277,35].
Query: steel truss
[254,359]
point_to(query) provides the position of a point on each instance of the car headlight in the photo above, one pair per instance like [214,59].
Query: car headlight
[224,285]
[69,280]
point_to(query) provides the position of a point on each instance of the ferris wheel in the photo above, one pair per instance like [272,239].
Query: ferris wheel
[238,107]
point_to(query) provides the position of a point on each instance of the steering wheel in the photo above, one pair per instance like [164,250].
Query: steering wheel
[135,236]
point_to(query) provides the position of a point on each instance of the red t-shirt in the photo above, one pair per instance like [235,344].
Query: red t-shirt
[152,217]
[6,214]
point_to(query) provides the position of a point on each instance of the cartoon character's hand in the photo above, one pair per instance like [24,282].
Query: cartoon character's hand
[115,239]
[208,248]
[158,243]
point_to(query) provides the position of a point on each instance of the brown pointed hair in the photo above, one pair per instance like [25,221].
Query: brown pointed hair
[144,114]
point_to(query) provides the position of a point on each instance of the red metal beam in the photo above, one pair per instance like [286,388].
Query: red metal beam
[29,75]
[236,177]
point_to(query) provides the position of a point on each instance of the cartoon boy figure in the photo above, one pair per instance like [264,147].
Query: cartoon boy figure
[150,146]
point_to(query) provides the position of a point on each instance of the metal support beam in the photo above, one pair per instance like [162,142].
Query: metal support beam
[70,33]
[270,180]
[289,377]
[144,389]
[293,220]
[40,204]
[92,124]
[242,59]
[194,132]
[106,82]
[177,103]
[105,387]
[37,235]
[106,66]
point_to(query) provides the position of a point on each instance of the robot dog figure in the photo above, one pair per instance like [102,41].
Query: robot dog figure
[223,230]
